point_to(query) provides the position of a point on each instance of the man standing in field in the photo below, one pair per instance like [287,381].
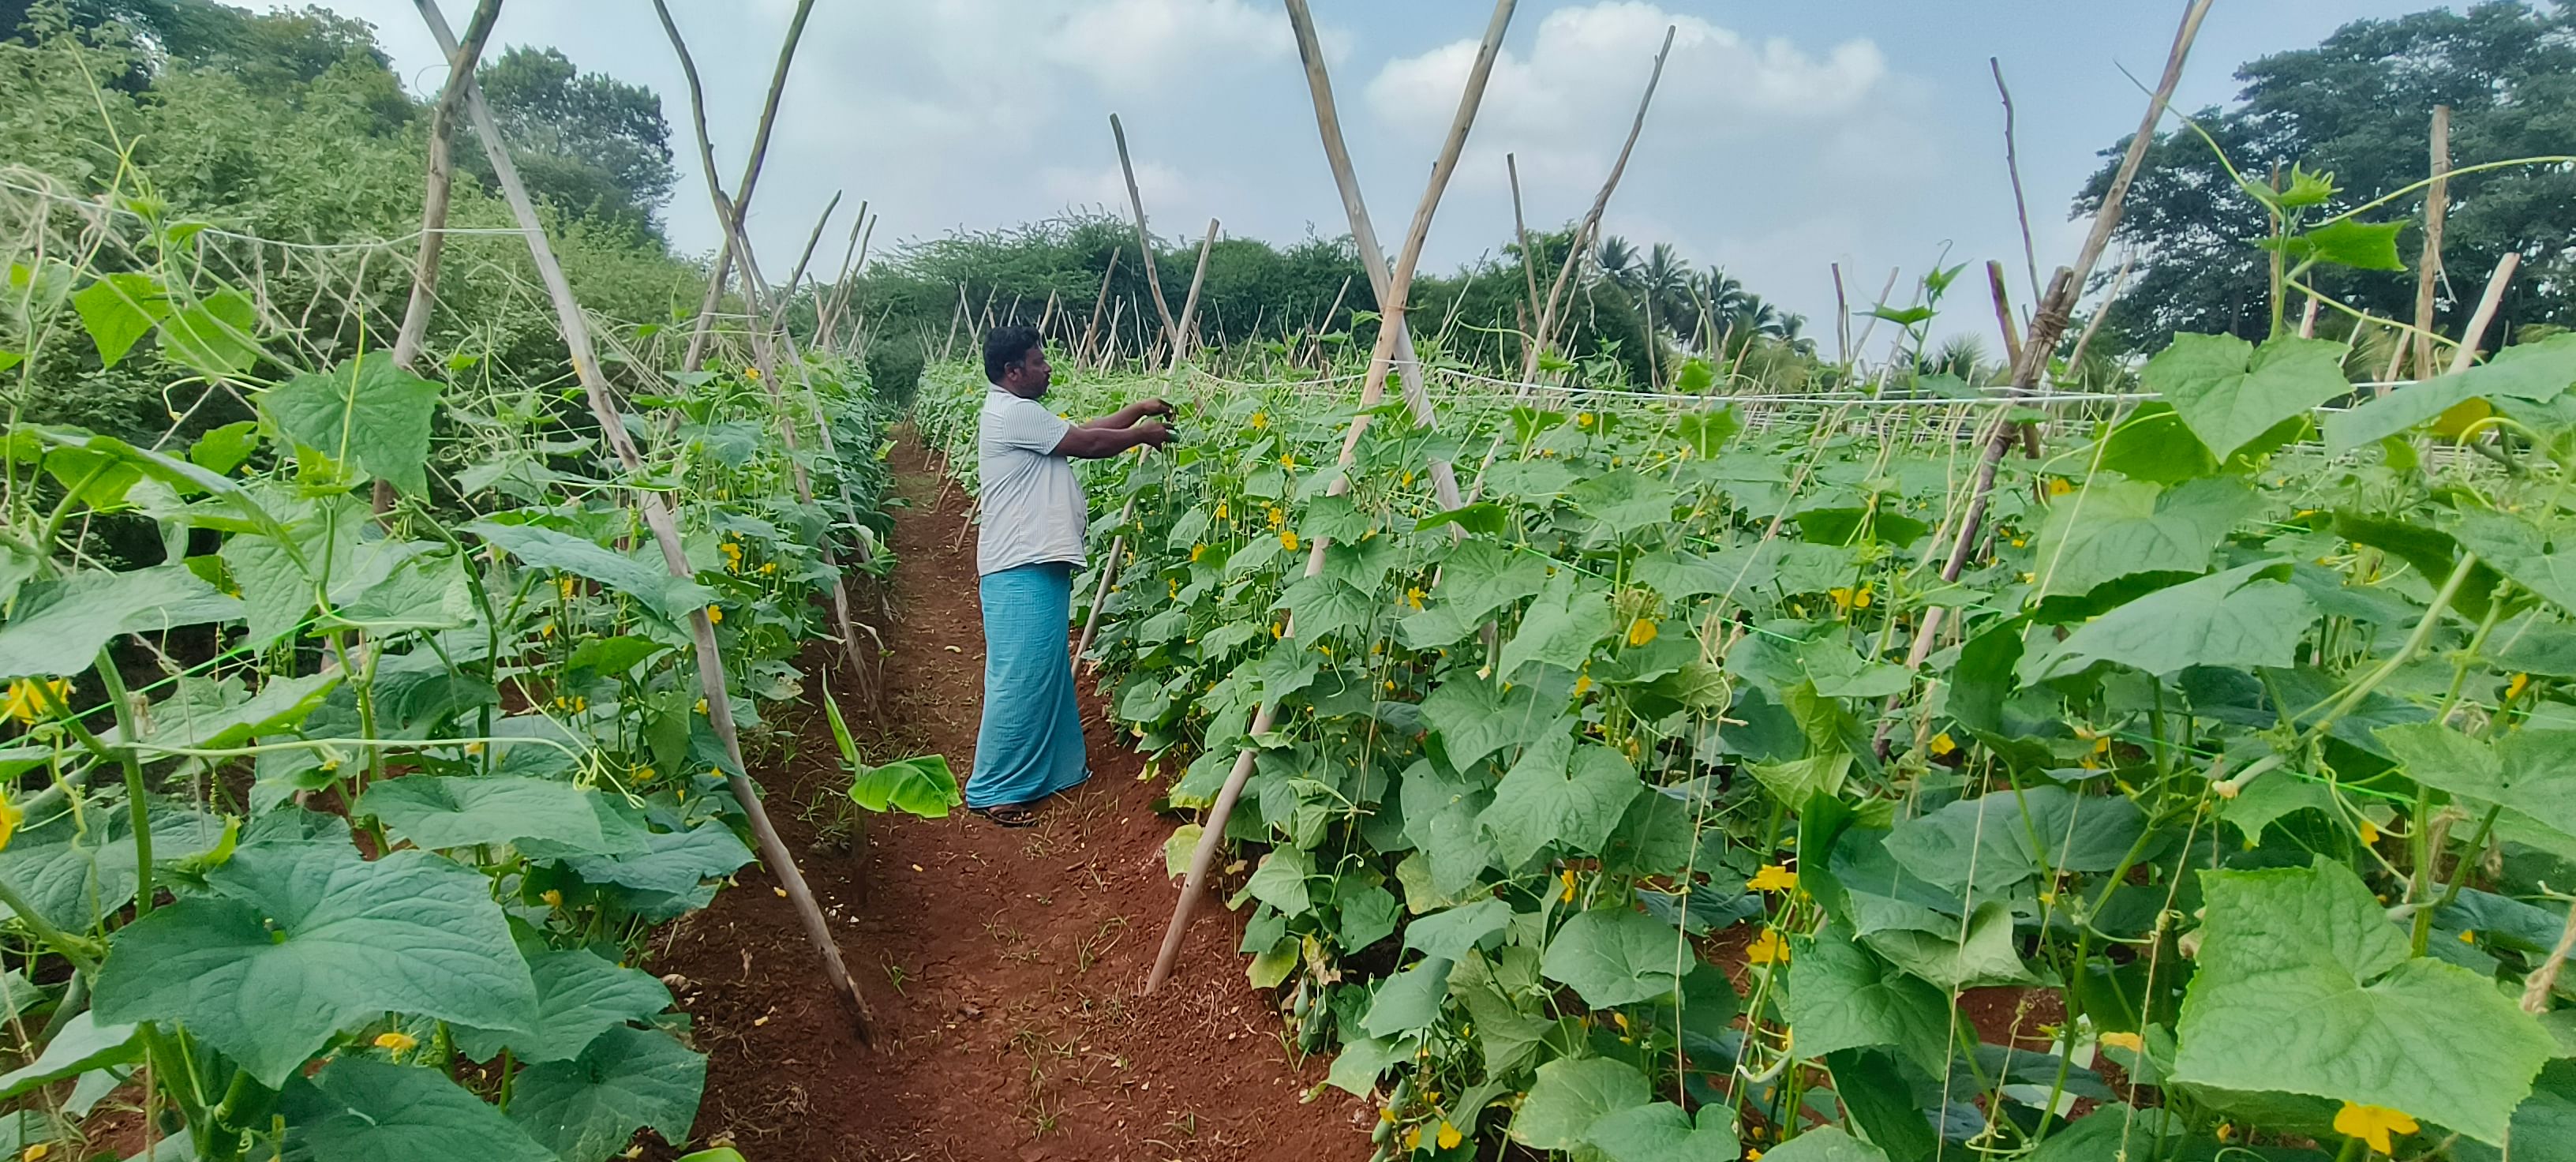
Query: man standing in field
[1028,547]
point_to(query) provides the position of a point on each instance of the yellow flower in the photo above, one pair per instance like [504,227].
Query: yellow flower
[552,897]
[2369,833]
[768,567]
[1414,595]
[1288,462]
[1288,539]
[36,1151]
[474,748]
[2514,689]
[1196,552]
[1641,631]
[27,697]
[546,630]
[1260,420]
[643,774]
[2129,1041]
[1449,1137]
[1583,419]
[1567,876]
[2372,1124]
[1943,745]
[1408,478]
[751,373]
[2057,486]
[1767,948]
[1386,1114]
[2469,937]
[1582,685]
[567,585]
[702,705]
[398,1043]
[2018,542]
[1220,510]
[1412,1138]
[715,615]
[1773,878]
[1278,516]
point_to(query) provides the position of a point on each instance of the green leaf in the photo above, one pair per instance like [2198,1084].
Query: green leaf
[674,598]
[1935,947]
[362,1110]
[75,877]
[304,938]
[223,449]
[922,785]
[1705,432]
[2244,617]
[1448,934]
[59,626]
[1409,999]
[367,413]
[2231,392]
[1480,577]
[1840,996]
[2111,529]
[216,336]
[1483,518]
[1617,957]
[2344,242]
[211,715]
[443,811]
[1561,627]
[2010,836]
[613,657]
[1325,607]
[1280,881]
[1573,1094]
[1625,501]
[676,865]
[2305,987]
[2533,371]
[1662,1132]
[82,1045]
[588,1109]
[2153,444]
[2514,548]
[1882,1105]
[1475,718]
[1824,1144]
[2529,774]
[1559,792]
[579,996]
[1356,1068]
[119,309]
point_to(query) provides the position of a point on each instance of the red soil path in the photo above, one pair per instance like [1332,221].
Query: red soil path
[1001,965]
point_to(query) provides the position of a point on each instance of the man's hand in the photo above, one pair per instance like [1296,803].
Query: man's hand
[1155,433]
[1152,407]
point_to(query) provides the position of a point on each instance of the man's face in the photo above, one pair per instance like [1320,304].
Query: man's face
[1029,377]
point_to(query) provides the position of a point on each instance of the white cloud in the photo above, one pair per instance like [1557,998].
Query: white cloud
[1135,46]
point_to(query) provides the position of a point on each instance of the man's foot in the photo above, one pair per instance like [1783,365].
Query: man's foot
[1010,814]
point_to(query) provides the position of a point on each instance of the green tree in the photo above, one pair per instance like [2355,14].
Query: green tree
[591,144]
[2359,106]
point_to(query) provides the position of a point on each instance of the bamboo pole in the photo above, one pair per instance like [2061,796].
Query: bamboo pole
[1315,338]
[2012,166]
[1520,229]
[1185,333]
[1547,319]
[435,197]
[657,516]
[1144,241]
[2437,207]
[2467,353]
[796,278]
[1381,361]
[2012,344]
[2051,320]
[725,255]
[1091,330]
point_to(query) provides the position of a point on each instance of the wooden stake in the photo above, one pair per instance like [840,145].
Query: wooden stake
[2467,354]
[1520,229]
[2437,207]
[1185,333]
[2012,166]
[1144,240]
[796,277]
[657,516]
[2012,344]
[750,172]
[1842,317]
[1091,330]
[1592,220]
[1381,360]
[433,206]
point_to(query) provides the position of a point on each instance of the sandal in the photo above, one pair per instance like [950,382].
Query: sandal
[1010,815]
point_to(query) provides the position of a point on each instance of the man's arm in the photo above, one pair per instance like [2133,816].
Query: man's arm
[1093,442]
[1126,417]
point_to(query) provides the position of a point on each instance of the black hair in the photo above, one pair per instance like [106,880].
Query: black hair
[1005,346]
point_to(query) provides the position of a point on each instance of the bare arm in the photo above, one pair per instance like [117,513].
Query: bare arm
[1126,417]
[1096,442]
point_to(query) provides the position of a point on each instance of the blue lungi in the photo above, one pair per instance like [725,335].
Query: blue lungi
[1030,745]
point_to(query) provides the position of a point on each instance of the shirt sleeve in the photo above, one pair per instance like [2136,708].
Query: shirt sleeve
[1028,426]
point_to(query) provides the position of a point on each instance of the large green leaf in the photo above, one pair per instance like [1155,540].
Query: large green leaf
[2544,1125]
[672,872]
[1662,1132]
[76,870]
[2305,986]
[1561,627]
[588,1109]
[211,714]
[1825,1144]
[1440,812]
[1325,607]
[579,995]
[80,1046]
[2531,371]
[362,1110]
[365,412]
[2230,392]
[1840,996]
[1624,501]
[1479,577]
[305,938]
[922,785]
[1997,840]
[218,336]
[1449,933]
[1572,1095]
[2531,774]
[2511,546]
[118,310]
[2244,617]
[675,598]
[2115,528]
[1475,718]
[60,625]
[1408,1000]
[1942,949]
[1559,792]
[443,811]
[1281,880]
[1617,957]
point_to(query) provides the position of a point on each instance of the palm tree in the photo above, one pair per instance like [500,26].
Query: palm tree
[1617,260]
[1662,284]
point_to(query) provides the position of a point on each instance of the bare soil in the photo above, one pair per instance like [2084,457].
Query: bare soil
[1001,965]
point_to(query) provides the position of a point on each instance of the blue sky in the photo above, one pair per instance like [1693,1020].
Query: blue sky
[1787,136]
